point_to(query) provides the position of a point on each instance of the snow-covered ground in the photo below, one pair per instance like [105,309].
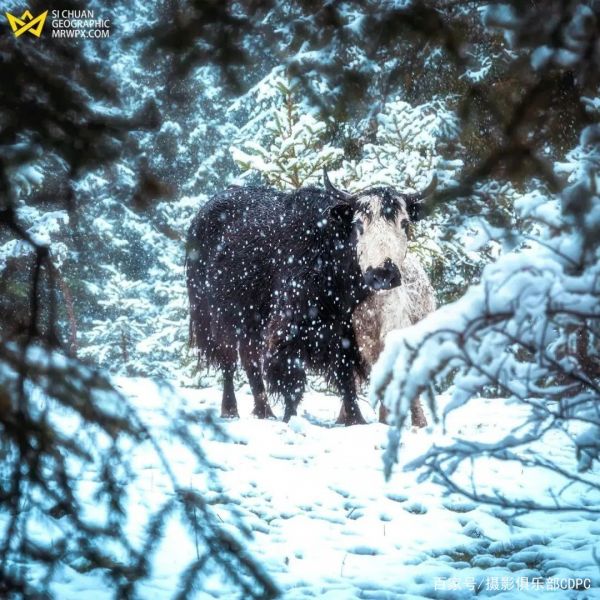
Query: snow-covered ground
[326,524]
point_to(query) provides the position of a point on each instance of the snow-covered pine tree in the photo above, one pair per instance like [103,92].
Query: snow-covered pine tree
[47,224]
[282,141]
[135,320]
[60,415]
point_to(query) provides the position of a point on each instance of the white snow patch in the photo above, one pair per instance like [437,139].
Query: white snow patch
[325,522]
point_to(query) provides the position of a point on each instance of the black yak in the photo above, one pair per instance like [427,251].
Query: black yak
[274,277]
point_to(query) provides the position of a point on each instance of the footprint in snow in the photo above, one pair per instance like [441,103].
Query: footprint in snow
[416,508]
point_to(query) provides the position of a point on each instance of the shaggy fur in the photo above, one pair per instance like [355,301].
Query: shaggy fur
[387,310]
[275,276]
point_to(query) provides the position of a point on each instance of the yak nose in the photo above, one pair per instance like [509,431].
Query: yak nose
[385,277]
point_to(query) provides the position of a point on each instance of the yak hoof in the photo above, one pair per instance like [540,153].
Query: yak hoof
[355,418]
[289,413]
[229,413]
[263,411]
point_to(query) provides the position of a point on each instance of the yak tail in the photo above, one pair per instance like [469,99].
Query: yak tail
[199,336]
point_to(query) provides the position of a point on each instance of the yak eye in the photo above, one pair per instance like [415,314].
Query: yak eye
[405,223]
[359,226]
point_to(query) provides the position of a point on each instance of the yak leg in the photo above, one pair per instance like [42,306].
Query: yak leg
[417,416]
[292,389]
[294,381]
[350,412]
[229,408]
[284,368]
[250,357]
[383,413]
[344,365]
[286,377]
[351,415]
[291,405]
[226,358]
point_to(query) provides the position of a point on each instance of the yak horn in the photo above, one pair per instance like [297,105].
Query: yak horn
[424,193]
[331,188]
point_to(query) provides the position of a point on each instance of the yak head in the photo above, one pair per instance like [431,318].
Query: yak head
[381,218]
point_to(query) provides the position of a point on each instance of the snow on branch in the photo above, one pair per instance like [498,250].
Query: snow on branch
[529,332]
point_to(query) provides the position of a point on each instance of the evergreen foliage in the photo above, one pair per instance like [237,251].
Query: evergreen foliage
[107,149]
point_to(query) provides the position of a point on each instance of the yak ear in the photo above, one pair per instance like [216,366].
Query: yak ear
[342,212]
[415,203]
[415,209]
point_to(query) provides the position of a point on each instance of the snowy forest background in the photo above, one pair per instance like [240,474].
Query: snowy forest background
[109,147]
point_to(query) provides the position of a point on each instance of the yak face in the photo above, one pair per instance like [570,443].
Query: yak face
[381,218]
[381,222]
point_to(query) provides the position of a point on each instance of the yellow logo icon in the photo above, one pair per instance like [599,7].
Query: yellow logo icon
[27,23]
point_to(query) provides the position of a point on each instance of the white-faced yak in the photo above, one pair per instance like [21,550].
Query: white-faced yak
[274,278]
